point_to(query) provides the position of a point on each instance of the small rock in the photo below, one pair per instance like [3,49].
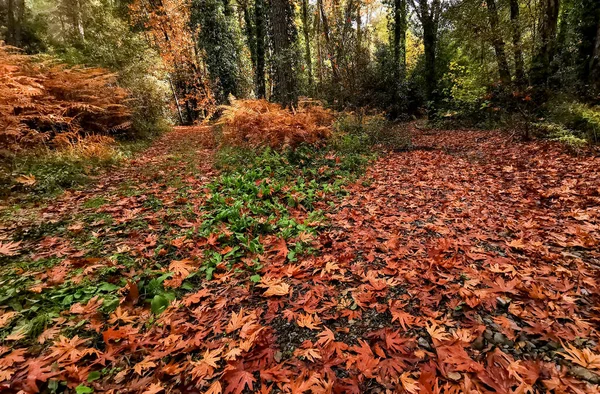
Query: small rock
[585,374]
[478,344]
[489,335]
[503,301]
[454,376]
[423,343]
[278,355]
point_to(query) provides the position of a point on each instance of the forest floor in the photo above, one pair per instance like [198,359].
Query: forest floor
[467,264]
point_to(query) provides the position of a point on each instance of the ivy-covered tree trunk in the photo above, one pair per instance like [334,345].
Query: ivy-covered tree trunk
[283,36]
[217,38]
[516,41]
[498,42]
[261,33]
[540,71]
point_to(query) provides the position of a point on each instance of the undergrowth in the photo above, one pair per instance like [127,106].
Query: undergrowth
[42,173]
[261,198]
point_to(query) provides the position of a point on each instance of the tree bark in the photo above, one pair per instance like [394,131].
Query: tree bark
[400,25]
[547,35]
[328,44]
[429,17]
[307,55]
[250,32]
[595,61]
[283,38]
[516,40]
[16,14]
[498,42]
[261,32]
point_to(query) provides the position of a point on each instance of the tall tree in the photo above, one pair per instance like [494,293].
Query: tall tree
[283,36]
[399,45]
[540,71]
[516,41]
[307,54]
[498,42]
[588,34]
[214,20]
[261,38]
[429,16]
[15,17]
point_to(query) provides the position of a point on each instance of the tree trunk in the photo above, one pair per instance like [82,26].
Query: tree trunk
[328,44]
[250,36]
[307,55]
[498,42]
[400,39]
[516,39]
[283,38]
[16,13]
[429,16]
[75,9]
[261,32]
[595,61]
[547,35]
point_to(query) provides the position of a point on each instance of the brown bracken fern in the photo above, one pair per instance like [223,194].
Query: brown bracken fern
[43,101]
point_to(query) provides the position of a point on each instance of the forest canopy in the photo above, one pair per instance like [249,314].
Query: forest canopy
[463,60]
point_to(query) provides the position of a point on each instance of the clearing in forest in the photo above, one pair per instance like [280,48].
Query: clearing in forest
[467,264]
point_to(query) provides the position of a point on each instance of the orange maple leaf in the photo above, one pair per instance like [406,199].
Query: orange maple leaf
[308,321]
[437,332]
[279,289]
[143,365]
[584,358]
[9,248]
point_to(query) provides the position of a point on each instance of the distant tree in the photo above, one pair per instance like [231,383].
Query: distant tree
[516,41]
[213,19]
[498,42]
[540,69]
[429,13]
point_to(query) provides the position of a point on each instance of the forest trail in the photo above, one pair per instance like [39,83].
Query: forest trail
[468,262]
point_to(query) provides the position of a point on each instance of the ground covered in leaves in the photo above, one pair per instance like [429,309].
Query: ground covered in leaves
[467,264]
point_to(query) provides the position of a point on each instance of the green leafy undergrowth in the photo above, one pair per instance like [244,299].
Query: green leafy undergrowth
[269,193]
[260,202]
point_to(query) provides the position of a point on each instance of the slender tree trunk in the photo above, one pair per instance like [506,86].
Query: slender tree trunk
[547,35]
[283,37]
[400,39]
[498,42]
[250,36]
[261,33]
[75,9]
[15,16]
[595,61]
[516,40]
[307,55]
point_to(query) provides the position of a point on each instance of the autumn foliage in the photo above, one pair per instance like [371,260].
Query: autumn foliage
[47,102]
[260,123]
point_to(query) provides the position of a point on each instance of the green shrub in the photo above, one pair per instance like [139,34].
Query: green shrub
[359,133]
[583,120]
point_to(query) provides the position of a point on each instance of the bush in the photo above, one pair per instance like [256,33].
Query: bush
[258,123]
[557,132]
[357,132]
[582,120]
[42,101]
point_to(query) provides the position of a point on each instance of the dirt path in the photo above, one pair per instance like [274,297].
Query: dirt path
[468,265]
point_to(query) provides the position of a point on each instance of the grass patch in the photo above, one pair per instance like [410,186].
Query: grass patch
[46,173]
